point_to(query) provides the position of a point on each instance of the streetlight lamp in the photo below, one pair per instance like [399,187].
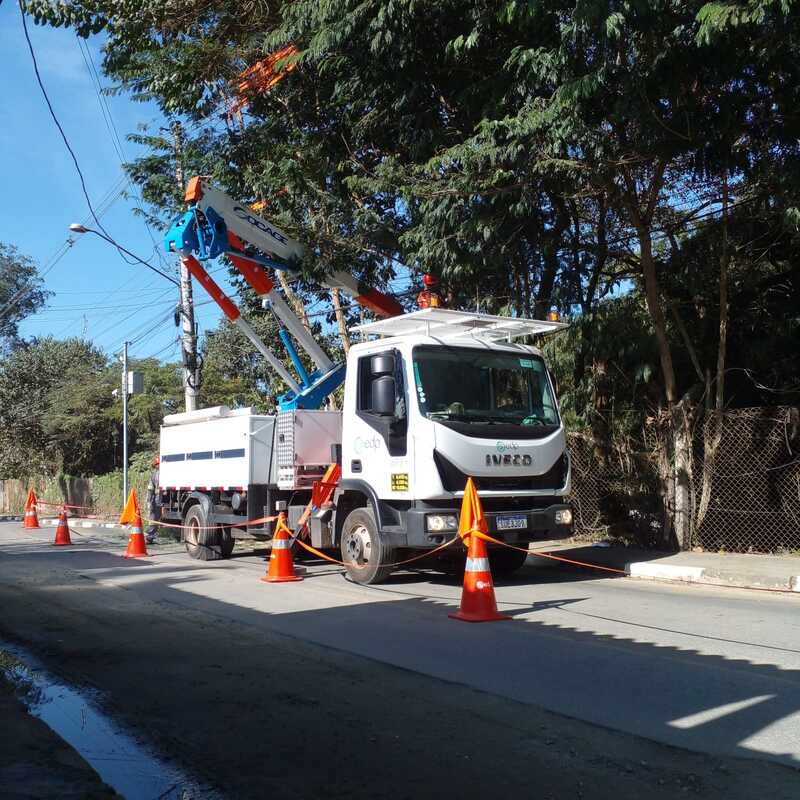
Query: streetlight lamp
[76,227]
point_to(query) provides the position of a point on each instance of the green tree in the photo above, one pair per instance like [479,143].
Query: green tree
[21,293]
[163,394]
[531,153]
[55,399]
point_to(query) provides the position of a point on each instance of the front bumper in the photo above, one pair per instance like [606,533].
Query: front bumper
[540,526]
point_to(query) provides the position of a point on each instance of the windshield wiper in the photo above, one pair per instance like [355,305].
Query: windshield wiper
[492,420]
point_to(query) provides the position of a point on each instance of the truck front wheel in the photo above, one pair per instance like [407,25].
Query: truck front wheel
[364,551]
[506,561]
[203,542]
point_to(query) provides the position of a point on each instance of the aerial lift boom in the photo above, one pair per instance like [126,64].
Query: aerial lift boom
[215,225]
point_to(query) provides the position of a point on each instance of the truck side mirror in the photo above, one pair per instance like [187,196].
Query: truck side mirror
[381,365]
[382,400]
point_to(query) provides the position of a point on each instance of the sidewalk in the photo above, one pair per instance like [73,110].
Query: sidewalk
[716,569]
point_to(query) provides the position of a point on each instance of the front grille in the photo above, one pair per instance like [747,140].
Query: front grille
[454,480]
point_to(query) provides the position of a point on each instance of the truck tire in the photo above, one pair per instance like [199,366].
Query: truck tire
[228,542]
[505,561]
[202,543]
[364,550]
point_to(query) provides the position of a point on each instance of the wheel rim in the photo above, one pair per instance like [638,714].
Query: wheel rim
[191,533]
[357,545]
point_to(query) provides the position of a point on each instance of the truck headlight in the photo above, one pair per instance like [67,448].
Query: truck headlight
[564,517]
[441,522]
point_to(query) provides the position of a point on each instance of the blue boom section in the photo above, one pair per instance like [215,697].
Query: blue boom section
[314,396]
[206,237]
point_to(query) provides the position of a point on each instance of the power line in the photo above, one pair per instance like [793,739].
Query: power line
[171,346]
[108,200]
[116,139]
[107,236]
[112,292]
[55,118]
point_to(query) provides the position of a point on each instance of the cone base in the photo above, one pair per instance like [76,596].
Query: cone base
[31,527]
[136,555]
[466,617]
[61,544]
[268,579]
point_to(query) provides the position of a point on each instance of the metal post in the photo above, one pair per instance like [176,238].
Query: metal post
[189,341]
[125,422]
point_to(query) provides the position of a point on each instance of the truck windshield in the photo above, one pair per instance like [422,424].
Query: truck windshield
[468,385]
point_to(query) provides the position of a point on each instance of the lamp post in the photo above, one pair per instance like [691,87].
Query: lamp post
[129,380]
[76,227]
[125,422]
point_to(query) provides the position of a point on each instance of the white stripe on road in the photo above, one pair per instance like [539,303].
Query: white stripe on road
[710,714]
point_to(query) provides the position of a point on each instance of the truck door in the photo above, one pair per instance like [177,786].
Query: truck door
[375,446]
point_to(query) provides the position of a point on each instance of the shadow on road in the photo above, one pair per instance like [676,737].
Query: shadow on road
[172,648]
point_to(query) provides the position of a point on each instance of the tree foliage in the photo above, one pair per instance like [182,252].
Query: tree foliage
[54,408]
[21,293]
[635,165]
[59,413]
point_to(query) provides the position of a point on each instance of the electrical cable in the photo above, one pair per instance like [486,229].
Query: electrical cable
[134,256]
[55,118]
[51,262]
[105,235]
[116,139]
[174,343]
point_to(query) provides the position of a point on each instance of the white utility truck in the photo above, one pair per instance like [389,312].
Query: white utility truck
[440,396]
[431,398]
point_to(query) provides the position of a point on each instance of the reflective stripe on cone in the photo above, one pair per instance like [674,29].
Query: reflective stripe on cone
[132,516]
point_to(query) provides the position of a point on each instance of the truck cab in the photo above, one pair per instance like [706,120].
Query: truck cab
[439,398]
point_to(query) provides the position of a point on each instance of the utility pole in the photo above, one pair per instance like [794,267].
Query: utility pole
[125,422]
[190,371]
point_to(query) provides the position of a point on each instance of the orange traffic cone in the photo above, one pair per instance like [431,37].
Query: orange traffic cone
[62,531]
[478,603]
[132,516]
[31,520]
[281,566]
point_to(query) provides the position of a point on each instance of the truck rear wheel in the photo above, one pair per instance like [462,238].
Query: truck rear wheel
[364,551]
[203,542]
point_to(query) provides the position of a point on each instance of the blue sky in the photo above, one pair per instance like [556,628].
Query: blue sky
[96,294]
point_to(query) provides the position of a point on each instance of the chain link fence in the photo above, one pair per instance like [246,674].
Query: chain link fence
[745,484]
[615,490]
[746,481]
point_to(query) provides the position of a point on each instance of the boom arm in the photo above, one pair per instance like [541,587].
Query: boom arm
[227,216]
[215,225]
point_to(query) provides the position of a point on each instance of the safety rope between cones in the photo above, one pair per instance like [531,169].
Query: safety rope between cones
[353,565]
[485,536]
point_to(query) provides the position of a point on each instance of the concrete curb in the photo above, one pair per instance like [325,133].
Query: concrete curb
[10,518]
[669,572]
[710,577]
[83,523]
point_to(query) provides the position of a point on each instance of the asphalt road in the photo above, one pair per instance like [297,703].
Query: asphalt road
[713,671]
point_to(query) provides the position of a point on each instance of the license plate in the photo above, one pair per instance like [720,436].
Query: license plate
[512,522]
